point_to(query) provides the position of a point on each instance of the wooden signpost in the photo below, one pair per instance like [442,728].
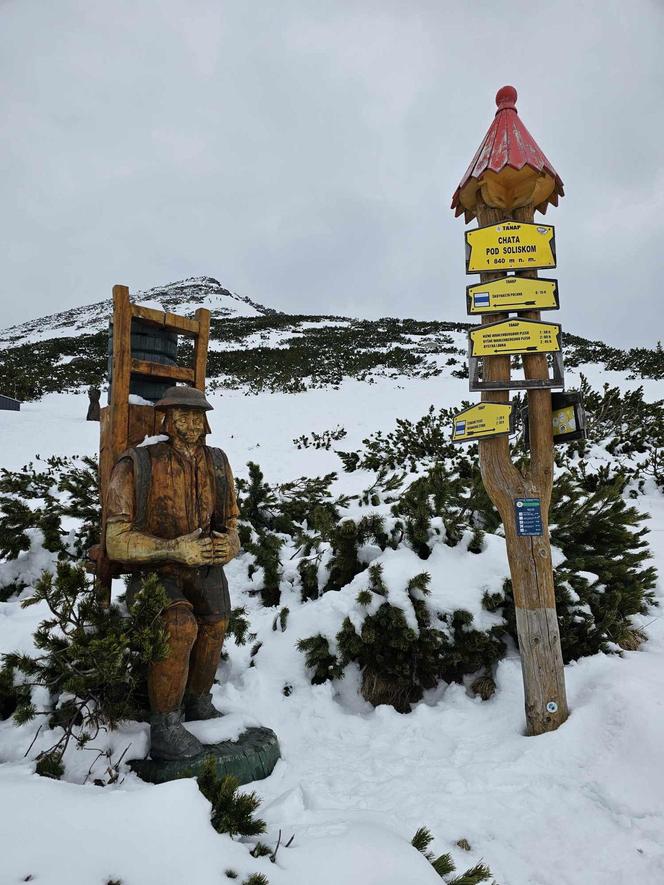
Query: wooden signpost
[508,179]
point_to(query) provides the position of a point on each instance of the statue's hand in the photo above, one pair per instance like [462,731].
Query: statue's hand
[226,546]
[233,543]
[221,549]
[193,550]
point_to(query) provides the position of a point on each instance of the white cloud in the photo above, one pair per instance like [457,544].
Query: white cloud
[305,154]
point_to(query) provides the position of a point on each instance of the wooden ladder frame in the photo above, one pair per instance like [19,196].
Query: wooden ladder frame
[124,424]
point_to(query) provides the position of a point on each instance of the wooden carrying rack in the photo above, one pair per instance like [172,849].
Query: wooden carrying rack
[124,424]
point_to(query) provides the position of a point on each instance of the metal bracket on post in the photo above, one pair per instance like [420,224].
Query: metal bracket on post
[556,382]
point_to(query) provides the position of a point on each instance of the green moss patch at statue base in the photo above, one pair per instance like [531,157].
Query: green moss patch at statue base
[251,758]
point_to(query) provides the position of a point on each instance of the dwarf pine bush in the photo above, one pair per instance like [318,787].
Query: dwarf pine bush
[435,495]
[444,865]
[39,496]
[231,812]
[424,492]
[92,660]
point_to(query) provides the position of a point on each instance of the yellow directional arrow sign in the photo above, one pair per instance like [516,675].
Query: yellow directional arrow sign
[511,245]
[512,293]
[482,421]
[514,336]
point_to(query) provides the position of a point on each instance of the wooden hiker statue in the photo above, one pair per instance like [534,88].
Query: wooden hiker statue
[171,509]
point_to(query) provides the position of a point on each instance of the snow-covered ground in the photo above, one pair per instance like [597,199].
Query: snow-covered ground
[581,806]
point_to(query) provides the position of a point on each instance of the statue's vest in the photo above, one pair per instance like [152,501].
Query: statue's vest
[150,460]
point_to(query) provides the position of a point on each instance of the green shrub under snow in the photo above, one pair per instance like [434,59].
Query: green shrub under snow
[444,865]
[425,494]
[43,496]
[398,662]
[602,582]
[309,355]
[91,660]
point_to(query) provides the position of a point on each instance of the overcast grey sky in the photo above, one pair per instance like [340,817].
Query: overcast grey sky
[305,153]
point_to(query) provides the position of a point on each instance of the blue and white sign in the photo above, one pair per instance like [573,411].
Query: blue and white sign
[528,517]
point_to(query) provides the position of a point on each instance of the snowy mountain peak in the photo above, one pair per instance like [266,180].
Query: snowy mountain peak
[183,297]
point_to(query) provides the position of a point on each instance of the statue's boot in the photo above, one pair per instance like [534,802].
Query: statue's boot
[203,663]
[197,707]
[169,739]
[166,684]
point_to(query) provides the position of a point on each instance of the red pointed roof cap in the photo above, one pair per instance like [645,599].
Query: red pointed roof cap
[509,168]
[506,98]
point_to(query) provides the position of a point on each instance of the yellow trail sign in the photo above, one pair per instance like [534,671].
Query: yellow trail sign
[482,421]
[514,336]
[512,293]
[511,245]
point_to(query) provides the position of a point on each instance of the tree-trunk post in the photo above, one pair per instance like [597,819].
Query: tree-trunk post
[529,556]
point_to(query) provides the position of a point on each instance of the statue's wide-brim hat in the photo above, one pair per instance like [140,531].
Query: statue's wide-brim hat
[182,397]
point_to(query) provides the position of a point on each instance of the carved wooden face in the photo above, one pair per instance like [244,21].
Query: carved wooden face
[189,425]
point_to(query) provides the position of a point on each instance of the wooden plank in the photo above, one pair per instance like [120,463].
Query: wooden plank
[171,321]
[201,347]
[113,424]
[158,370]
[148,315]
[105,453]
[520,384]
[183,325]
[121,367]
[141,424]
